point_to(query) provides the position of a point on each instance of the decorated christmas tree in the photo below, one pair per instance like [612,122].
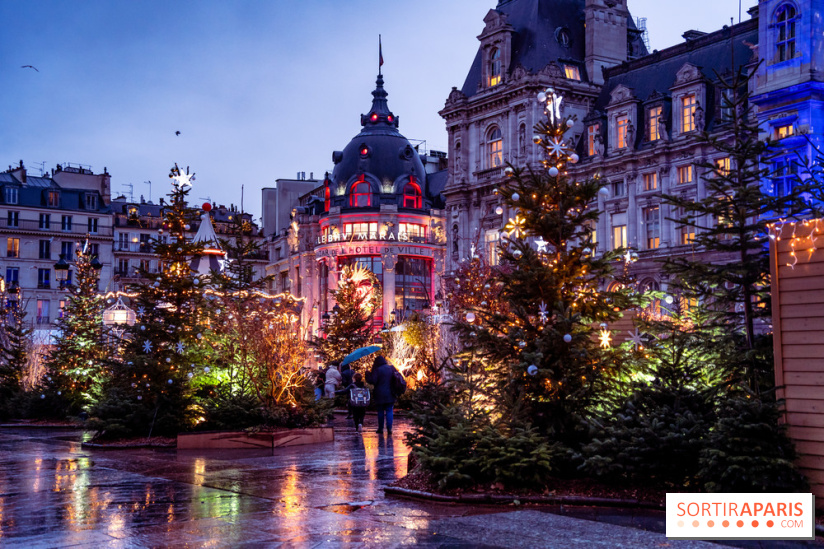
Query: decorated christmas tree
[14,346]
[78,364]
[165,356]
[548,351]
[358,297]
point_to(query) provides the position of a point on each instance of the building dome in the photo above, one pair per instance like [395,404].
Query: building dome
[379,160]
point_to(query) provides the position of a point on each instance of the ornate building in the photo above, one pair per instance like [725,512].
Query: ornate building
[636,113]
[381,208]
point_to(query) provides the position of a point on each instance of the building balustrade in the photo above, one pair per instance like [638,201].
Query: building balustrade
[79,227]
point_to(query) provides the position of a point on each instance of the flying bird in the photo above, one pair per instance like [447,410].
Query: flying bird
[29,67]
[177,133]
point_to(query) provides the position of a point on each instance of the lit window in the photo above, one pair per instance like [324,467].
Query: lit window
[53,199]
[495,148]
[654,119]
[361,195]
[492,239]
[12,247]
[619,236]
[42,311]
[652,222]
[13,219]
[572,72]
[785,19]
[11,195]
[361,231]
[327,198]
[784,131]
[411,232]
[688,106]
[412,194]
[684,174]
[722,166]
[494,67]
[623,125]
[650,181]
[592,131]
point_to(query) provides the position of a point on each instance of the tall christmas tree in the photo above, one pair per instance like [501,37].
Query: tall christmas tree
[358,297]
[14,345]
[731,225]
[165,357]
[78,364]
[549,354]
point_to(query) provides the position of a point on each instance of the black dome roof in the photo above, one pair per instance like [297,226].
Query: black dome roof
[379,151]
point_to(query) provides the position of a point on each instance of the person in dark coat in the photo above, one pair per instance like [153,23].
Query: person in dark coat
[346,374]
[380,376]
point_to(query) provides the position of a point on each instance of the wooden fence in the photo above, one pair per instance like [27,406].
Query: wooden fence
[797,269]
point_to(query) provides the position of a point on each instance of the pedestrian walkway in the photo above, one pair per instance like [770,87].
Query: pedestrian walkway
[53,493]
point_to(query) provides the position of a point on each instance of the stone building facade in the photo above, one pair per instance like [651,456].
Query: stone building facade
[380,208]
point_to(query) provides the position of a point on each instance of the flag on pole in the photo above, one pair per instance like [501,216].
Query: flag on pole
[380,54]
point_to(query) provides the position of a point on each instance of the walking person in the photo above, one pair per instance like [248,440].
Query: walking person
[346,374]
[359,398]
[380,376]
[333,380]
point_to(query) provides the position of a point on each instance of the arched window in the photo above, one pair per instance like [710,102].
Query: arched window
[327,198]
[495,148]
[412,194]
[361,194]
[494,67]
[785,19]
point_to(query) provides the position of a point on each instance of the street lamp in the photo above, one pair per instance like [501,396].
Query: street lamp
[96,264]
[61,270]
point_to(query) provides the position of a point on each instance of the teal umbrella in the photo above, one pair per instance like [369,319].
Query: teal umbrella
[360,353]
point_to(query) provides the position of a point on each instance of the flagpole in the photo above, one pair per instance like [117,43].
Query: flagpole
[380,55]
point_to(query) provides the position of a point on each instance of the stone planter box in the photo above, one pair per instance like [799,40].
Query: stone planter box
[215,440]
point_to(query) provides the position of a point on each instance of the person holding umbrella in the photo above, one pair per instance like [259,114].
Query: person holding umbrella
[380,376]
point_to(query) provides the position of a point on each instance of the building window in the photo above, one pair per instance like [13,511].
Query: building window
[299,282]
[722,166]
[687,234]
[323,287]
[66,223]
[45,221]
[619,236]
[67,250]
[53,199]
[651,181]
[361,195]
[12,247]
[327,198]
[373,263]
[412,195]
[93,225]
[94,250]
[494,67]
[622,125]
[688,106]
[785,175]
[592,132]
[44,278]
[685,174]
[572,72]
[91,201]
[727,105]
[361,231]
[783,131]
[122,244]
[411,232]
[45,249]
[785,18]
[122,267]
[12,275]
[42,311]
[413,283]
[653,121]
[492,239]
[652,222]
[13,219]
[619,188]
[11,195]
[62,306]
[495,148]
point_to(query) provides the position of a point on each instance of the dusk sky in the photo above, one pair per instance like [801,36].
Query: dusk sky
[259,90]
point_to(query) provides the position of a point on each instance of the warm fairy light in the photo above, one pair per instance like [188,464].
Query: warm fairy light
[606,338]
[516,227]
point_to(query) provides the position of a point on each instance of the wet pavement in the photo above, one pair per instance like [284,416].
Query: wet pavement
[53,493]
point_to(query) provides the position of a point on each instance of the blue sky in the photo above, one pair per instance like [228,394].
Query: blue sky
[258,89]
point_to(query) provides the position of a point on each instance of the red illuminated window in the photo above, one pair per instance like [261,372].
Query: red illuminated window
[374,117]
[412,195]
[327,198]
[361,195]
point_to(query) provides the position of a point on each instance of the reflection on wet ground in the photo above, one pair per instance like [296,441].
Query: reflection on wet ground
[53,493]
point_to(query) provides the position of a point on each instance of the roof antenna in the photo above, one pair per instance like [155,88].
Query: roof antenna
[380,55]
[149,183]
